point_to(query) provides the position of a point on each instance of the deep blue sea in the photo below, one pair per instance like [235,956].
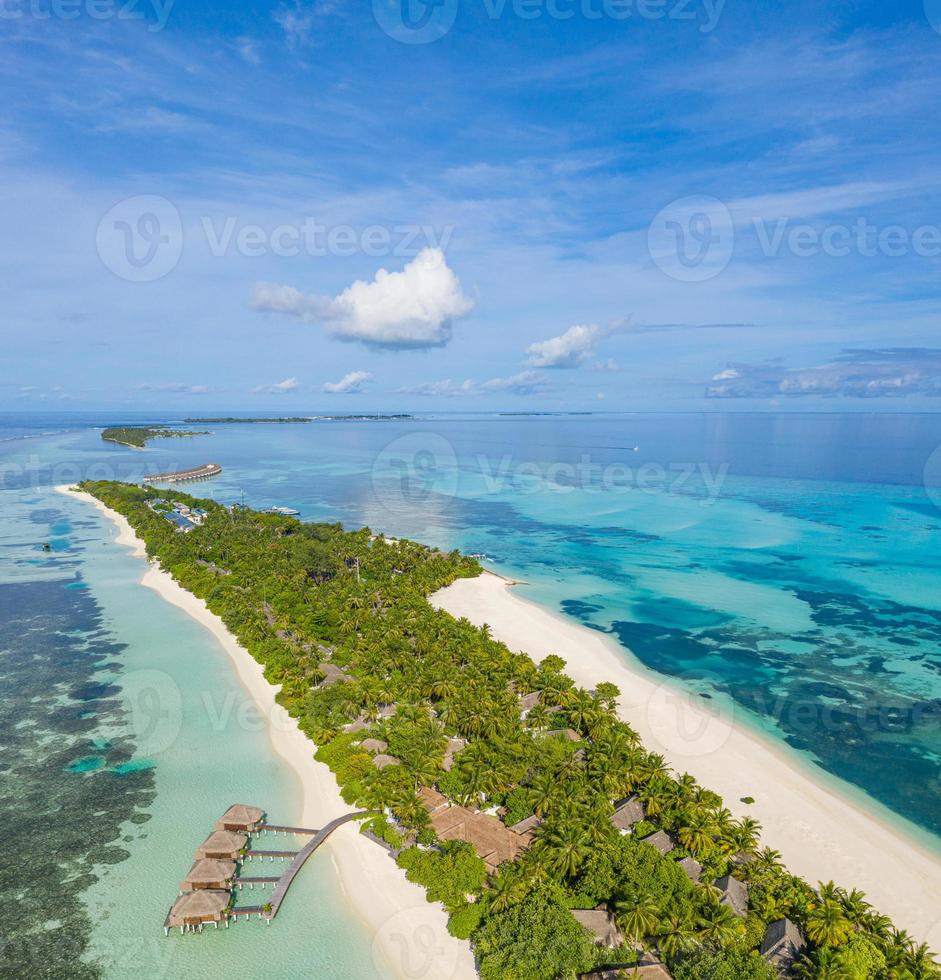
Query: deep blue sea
[788,563]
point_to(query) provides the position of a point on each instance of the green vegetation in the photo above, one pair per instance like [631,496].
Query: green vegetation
[138,437]
[340,619]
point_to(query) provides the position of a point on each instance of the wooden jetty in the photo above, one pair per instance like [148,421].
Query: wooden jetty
[191,909]
[203,472]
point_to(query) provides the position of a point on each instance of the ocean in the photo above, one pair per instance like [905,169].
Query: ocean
[785,565]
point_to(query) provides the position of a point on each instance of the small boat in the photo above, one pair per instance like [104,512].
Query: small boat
[46,546]
[283,511]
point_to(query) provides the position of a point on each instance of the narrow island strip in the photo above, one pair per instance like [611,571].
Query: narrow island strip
[137,437]
[516,792]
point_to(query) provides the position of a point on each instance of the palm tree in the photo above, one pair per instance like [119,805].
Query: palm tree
[565,847]
[696,836]
[720,925]
[827,925]
[676,935]
[638,918]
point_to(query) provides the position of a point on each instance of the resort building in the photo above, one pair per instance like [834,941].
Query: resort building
[734,894]
[648,967]
[196,908]
[627,813]
[661,841]
[381,761]
[373,745]
[601,924]
[222,845]
[332,674]
[783,945]
[568,733]
[692,868]
[241,818]
[529,701]
[493,842]
[209,873]
[527,826]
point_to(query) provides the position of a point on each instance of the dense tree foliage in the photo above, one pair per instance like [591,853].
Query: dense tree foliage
[312,602]
[138,436]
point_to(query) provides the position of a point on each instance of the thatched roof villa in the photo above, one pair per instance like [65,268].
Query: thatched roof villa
[600,922]
[661,840]
[627,813]
[373,745]
[783,945]
[195,908]
[332,674]
[734,894]
[490,838]
[208,873]
[648,967]
[222,845]
[692,868]
[527,826]
[381,761]
[242,818]
[529,701]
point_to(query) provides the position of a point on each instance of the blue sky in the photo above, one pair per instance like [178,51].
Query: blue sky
[516,204]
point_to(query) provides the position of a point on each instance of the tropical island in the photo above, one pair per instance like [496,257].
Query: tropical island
[138,436]
[558,844]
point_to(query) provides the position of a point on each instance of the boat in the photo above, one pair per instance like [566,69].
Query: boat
[282,511]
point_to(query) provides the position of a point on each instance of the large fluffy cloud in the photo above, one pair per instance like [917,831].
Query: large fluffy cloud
[565,351]
[350,384]
[409,309]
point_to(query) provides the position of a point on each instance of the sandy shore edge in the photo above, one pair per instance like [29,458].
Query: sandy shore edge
[406,929]
[821,835]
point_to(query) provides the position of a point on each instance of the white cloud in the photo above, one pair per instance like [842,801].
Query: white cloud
[175,387]
[565,351]
[524,383]
[413,308]
[282,387]
[350,384]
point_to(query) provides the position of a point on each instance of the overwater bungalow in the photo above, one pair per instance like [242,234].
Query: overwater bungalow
[734,894]
[627,813]
[242,818]
[600,922]
[661,840]
[197,908]
[209,873]
[783,945]
[222,845]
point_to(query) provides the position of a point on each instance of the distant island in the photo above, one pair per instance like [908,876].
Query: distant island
[138,437]
[232,420]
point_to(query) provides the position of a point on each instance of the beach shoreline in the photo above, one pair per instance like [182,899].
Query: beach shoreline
[821,834]
[394,910]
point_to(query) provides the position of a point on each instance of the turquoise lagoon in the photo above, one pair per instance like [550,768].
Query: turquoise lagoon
[787,565]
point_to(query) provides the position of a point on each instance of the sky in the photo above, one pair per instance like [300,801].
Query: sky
[470,205]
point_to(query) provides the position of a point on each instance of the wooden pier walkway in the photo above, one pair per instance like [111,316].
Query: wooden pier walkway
[287,879]
[270,854]
[278,829]
[203,472]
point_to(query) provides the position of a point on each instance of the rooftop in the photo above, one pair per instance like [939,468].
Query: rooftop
[209,871]
[221,843]
[205,905]
[600,922]
[661,841]
[734,894]
[783,944]
[627,813]
[240,816]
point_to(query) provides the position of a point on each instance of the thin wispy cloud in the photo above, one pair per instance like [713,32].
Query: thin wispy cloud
[350,384]
[523,383]
[279,388]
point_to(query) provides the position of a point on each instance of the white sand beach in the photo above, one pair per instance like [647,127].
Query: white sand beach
[820,834]
[409,934]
